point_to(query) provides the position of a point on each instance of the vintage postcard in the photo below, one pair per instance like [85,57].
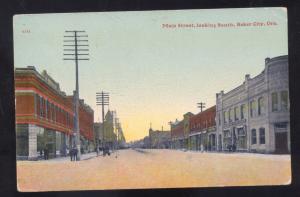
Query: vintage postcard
[152,99]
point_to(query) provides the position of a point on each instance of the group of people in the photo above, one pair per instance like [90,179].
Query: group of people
[73,154]
[46,153]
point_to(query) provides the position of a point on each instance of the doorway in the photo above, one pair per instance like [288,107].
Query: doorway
[281,138]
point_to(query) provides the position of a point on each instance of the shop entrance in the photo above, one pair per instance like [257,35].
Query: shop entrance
[281,138]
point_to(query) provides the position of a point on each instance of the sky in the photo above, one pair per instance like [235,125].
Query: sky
[153,74]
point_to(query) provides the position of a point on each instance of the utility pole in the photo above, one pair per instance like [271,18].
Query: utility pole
[201,105]
[73,51]
[102,98]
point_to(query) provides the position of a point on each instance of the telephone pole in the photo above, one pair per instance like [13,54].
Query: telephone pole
[102,98]
[201,105]
[73,51]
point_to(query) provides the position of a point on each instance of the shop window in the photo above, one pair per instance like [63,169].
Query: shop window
[284,100]
[262,136]
[22,140]
[274,102]
[242,140]
[253,136]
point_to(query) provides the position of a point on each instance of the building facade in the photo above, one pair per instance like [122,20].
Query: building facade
[108,137]
[45,116]
[159,139]
[202,134]
[255,116]
[177,135]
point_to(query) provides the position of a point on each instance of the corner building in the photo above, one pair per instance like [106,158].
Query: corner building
[45,116]
[255,116]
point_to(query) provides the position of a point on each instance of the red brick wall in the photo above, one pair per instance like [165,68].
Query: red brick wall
[60,112]
[203,120]
[177,130]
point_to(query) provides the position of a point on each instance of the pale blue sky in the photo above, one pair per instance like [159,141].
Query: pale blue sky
[153,74]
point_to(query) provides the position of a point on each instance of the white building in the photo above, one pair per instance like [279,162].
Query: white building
[255,116]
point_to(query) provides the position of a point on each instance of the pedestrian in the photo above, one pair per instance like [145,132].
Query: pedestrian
[71,154]
[41,153]
[233,148]
[75,154]
[46,153]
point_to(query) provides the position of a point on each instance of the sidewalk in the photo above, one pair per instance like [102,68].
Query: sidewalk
[85,156]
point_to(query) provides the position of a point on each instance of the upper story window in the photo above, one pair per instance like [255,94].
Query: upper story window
[229,115]
[236,113]
[274,101]
[261,106]
[252,108]
[284,100]
[41,106]
[224,116]
[242,112]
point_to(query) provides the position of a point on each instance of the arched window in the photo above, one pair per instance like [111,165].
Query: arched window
[253,136]
[262,139]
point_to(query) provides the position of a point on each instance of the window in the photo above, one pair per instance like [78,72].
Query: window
[274,101]
[235,113]
[38,105]
[281,125]
[41,107]
[230,115]
[252,108]
[224,116]
[54,111]
[253,136]
[260,105]
[262,136]
[242,112]
[227,134]
[284,100]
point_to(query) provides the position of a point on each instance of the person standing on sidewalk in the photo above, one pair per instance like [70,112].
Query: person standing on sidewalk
[71,154]
[46,153]
[75,154]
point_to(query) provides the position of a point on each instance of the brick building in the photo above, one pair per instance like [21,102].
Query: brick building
[45,116]
[177,134]
[202,135]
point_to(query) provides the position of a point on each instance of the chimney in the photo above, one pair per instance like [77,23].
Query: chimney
[247,77]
